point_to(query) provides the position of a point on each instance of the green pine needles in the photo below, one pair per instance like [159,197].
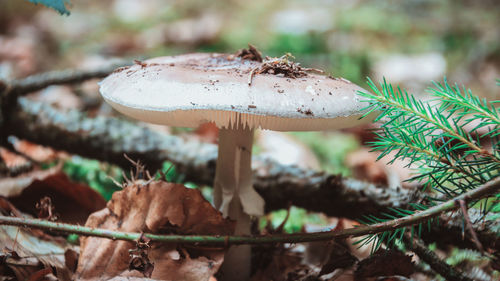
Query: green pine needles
[451,140]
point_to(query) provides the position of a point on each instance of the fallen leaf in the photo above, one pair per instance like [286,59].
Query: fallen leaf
[13,160]
[40,274]
[340,257]
[157,207]
[74,202]
[71,259]
[29,252]
[360,250]
[365,167]
[37,152]
[284,265]
[385,263]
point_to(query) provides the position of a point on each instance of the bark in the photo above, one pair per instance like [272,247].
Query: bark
[437,264]
[40,81]
[487,231]
[12,90]
[107,139]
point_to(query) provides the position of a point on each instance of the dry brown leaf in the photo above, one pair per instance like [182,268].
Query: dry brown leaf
[74,202]
[29,252]
[284,265]
[38,152]
[340,258]
[12,159]
[385,263]
[158,207]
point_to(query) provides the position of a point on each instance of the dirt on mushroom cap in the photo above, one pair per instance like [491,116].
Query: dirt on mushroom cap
[208,87]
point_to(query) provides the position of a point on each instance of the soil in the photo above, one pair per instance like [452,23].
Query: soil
[247,54]
[283,66]
[306,112]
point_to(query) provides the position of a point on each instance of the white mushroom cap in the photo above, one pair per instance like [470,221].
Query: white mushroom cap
[189,90]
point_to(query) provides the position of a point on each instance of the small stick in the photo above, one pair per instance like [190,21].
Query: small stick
[280,228]
[252,73]
[429,257]
[468,225]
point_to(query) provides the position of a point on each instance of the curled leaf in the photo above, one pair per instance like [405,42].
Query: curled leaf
[157,207]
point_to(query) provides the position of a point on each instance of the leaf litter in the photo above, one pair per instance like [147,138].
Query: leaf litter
[153,207]
[73,202]
[282,66]
[31,254]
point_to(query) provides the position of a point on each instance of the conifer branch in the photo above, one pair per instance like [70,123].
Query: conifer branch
[465,103]
[433,138]
[397,104]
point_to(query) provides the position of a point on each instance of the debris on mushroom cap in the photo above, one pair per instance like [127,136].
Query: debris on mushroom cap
[192,89]
[282,66]
[247,54]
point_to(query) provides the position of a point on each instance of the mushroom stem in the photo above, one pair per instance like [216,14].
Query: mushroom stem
[234,195]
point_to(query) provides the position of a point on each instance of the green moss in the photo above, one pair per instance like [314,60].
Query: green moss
[94,173]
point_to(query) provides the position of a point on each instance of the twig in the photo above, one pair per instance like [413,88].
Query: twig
[468,225]
[438,265]
[481,192]
[250,76]
[280,227]
[39,81]
[11,91]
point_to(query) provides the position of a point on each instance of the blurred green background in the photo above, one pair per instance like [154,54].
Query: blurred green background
[408,42]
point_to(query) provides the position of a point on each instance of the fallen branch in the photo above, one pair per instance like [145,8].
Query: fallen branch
[442,268]
[11,91]
[481,192]
[37,82]
[108,139]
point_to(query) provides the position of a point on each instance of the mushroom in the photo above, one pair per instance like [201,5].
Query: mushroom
[189,90]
